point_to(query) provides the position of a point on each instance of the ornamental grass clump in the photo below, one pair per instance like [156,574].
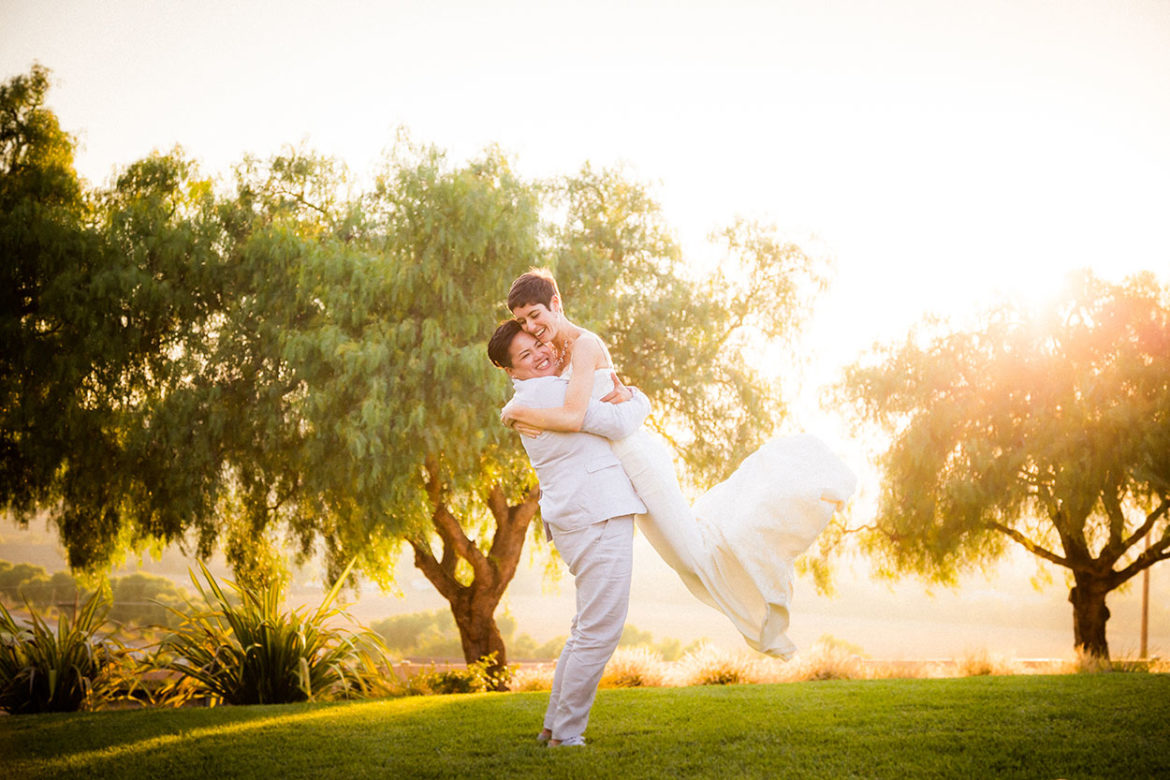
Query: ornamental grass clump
[634,667]
[708,665]
[981,663]
[252,653]
[42,670]
[830,659]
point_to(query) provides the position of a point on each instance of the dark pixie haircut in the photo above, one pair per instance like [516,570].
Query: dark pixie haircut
[536,286]
[500,344]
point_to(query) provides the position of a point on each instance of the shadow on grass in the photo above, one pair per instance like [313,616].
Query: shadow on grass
[1088,725]
[342,738]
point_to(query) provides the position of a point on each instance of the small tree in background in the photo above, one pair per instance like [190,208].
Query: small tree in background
[1045,428]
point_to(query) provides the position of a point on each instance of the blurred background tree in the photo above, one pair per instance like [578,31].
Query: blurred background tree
[1047,427]
[137,599]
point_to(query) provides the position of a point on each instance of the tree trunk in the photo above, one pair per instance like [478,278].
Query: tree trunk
[474,604]
[480,636]
[1089,618]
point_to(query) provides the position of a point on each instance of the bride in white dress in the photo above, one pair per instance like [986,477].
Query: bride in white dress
[734,547]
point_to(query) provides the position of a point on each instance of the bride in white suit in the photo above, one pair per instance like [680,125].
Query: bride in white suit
[735,547]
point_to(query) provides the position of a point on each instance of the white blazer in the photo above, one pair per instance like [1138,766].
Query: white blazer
[581,481]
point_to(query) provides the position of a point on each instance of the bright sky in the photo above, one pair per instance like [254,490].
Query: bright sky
[943,151]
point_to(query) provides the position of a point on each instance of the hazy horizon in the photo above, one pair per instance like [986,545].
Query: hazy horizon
[1002,614]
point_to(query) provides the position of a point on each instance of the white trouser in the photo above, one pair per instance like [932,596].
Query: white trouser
[600,558]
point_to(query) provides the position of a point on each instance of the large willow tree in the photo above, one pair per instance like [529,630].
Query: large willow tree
[1044,428]
[289,356]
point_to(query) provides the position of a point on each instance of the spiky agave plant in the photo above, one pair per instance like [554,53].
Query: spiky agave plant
[42,670]
[249,652]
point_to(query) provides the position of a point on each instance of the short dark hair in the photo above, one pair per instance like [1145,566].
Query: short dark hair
[500,344]
[536,286]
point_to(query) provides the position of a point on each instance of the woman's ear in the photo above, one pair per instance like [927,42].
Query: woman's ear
[554,304]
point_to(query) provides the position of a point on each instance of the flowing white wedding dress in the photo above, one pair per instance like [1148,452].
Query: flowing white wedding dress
[734,548]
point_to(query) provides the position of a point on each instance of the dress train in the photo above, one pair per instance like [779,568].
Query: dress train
[735,548]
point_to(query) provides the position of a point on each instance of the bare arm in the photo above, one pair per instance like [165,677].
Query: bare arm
[587,354]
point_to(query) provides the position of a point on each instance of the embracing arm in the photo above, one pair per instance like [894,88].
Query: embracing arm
[617,421]
[571,416]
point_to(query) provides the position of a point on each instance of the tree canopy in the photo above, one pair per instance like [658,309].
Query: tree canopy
[1046,427]
[226,364]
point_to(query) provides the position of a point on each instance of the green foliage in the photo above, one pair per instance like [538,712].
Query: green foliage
[247,651]
[106,298]
[145,600]
[677,337]
[420,634]
[482,676]
[33,584]
[435,635]
[42,670]
[287,355]
[524,647]
[1049,428]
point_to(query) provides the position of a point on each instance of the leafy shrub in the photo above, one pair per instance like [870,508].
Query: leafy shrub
[63,671]
[34,585]
[144,600]
[447,681]
[478,677]
[252,653]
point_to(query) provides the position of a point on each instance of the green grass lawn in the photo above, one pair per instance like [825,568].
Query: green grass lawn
[1069,726]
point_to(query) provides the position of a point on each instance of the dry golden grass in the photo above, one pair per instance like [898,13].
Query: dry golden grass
[533,677]
[634,667]
[826,659]
[981,663]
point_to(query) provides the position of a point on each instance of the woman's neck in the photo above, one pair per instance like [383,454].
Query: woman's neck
[566,335]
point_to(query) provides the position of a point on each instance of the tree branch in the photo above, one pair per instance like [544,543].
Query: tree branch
[1072,537]
[1159,551]
[299,197]
[1029,545]
[424,560]
[1148,525]
[452,534]
[511,527]
[449,530]
[1112,503]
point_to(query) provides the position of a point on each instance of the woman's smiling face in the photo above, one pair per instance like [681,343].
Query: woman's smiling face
[539,320]
[530,358]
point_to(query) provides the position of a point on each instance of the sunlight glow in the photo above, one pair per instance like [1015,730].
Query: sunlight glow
[946,154]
